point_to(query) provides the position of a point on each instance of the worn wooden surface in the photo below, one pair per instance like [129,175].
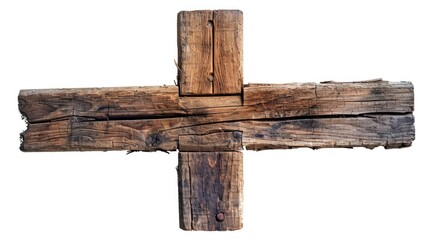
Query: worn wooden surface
[210,190]
[228,52]
[210,52]
[211,116]
[214,101]
[363,114]
[195,46]
[260,101]
[370,130]
[211,142]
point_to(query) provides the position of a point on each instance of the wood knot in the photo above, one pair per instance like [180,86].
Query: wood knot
[155,139]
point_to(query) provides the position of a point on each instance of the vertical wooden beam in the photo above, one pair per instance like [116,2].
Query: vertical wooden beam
[195,52]
[210,170]
[210,177]
[210,190]
[228,52]
[210,48]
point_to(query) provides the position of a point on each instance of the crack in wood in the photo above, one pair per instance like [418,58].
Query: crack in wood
[135,117]
[368,130]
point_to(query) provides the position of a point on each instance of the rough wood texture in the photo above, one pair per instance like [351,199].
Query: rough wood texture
[211,142]
[228,52]
[163,134]
[210,52]
[211,116]
[44,105]
[210,190]
[371,114]
[195,45]
[214,101]
[260,101]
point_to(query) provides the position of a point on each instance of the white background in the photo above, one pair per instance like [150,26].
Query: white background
[288,194]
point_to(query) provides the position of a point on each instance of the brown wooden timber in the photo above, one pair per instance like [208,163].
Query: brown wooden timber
[211,116]
[228,52]
[210,175]
[195,46]
[272,116]
[210,52]
[211,142]
[215,101]
[260,101]
[75,134]
[210,190]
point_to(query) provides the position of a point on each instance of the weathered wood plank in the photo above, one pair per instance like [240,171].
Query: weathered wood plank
[369,131]
[210,190]
[211,142]
[260,101]
[195,51]
[151,118]
[78,134]
[210,47]
[228,52]
[214,101]
[44,105]
[334,98]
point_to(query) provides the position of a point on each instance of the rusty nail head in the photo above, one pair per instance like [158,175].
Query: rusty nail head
[220,217]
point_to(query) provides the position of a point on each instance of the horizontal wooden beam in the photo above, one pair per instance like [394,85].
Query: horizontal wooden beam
[163,134]
[259,101]
[362,114]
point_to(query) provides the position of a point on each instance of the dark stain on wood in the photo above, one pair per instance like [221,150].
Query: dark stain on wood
[258,135]
[155,139]
[309,124]
[377,91]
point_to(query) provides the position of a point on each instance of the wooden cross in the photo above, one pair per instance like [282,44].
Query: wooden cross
[210,116]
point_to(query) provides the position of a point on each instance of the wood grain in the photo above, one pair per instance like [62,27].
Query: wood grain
[211,116]
[228,52]
[211,142]
[369,130]
[44,105]
[210,52]
[376,113]
[195,46]
[260,101]
[208,102]
[210,183]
